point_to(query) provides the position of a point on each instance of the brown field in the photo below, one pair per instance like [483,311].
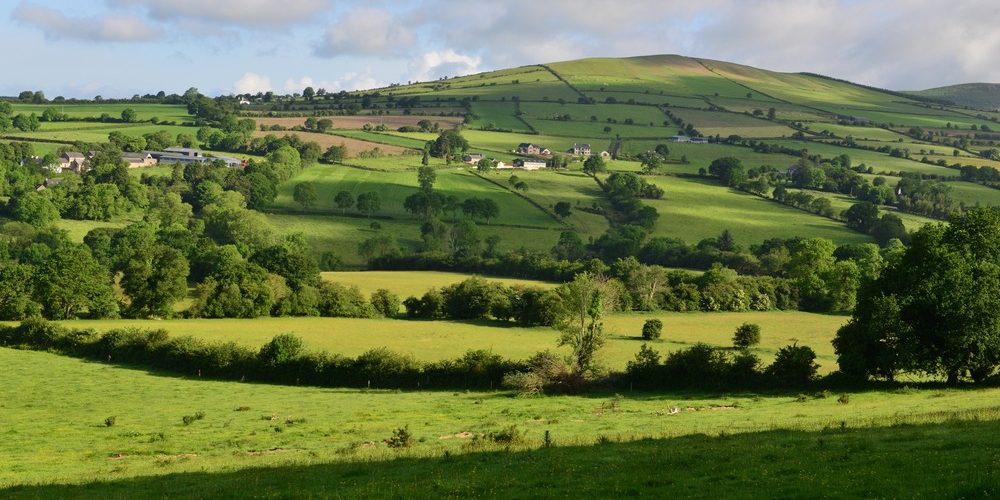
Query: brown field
[357,122]
[327,140]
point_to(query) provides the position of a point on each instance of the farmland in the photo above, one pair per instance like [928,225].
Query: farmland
[571,262]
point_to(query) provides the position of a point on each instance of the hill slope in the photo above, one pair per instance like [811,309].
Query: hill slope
[976,95]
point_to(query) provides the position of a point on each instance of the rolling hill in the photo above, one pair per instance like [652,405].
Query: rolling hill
[984,96]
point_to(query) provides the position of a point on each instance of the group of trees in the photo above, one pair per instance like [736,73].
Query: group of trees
[20,121]
[934,309]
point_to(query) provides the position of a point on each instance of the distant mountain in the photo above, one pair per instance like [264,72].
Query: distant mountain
[984,96]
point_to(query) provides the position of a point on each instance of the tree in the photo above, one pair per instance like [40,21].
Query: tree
[305,194]
[563,209]
[154,281]
[936,309]
[862,216]
[425,158]
[448,142]
[35,209]
[129,115]
[586,299]
[71,282]
[594,164]
[425,178]
[385,303]
[569,247]
[651,162]
[378,246]
[483,208]
[309,93]
[652,329]
[484,165]
[728,169]
[746,336]
[335,154]
[344,200]
[310,123]
[369,202]
[324,124]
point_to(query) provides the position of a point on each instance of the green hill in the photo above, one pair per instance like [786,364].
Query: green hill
[975,95]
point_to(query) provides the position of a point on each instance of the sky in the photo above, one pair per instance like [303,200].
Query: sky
[117,48]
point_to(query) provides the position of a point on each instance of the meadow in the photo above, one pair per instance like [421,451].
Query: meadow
[410,283]
[163,112]
[333,440]
[438,340]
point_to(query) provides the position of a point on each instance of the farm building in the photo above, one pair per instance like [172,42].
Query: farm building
[472,158]
[186,156]
[139,160]
[698,140]
[526,148]
[580,149]
[47,183]
[74,161]
[680,138]
[529,164]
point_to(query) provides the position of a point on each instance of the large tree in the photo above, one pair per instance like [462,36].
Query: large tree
[934,310]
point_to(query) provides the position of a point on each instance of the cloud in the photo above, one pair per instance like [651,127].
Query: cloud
[366,31]
[108,28]
[264,14]
[434,65]
[351,81]
[252,83]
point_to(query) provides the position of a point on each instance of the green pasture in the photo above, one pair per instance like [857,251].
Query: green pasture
[583,131]
[857,132]
[842,202]
[641,115]
[100,134]
[880,162]
[381,138]
[415,283]
[548,188]
[165,112]
[657,98]
[437,340]
[332,440]
[498,114]
[711,123]
[394,187]
[693,209]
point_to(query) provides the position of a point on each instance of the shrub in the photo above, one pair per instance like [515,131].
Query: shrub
[385,303]
[844,399]
[281,349]
[110,421]
[652,329]
[794,365]
[401,438]
[746,336]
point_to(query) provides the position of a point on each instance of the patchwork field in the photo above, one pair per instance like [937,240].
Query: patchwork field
[359,121]
[354,146]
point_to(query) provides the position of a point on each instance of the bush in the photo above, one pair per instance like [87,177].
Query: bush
[110,421]
[746,336]
[844,399]
[793,366]
[385,303]
[652,329]
[281,349]
[401,438]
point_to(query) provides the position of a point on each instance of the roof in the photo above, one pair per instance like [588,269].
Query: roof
[53,181]
[186,151]
[139,156]
[73,154]
[581,146]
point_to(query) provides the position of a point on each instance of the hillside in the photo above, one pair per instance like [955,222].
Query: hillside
[984,96]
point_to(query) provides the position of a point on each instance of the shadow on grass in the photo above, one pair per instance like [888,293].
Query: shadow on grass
[953,459]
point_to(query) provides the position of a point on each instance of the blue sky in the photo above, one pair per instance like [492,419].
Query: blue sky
[81,48]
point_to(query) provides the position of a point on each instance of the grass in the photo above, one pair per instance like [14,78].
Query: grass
[323,440]
[724,124]
[394,187]
[841,202]
[165,112]
[88,133]
[694,209]
[410,283]
[436,340]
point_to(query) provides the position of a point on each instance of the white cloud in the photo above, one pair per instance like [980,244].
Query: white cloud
[108,28]
[247,13]
[434,65]
[252,83]
[368,32]
[349,81]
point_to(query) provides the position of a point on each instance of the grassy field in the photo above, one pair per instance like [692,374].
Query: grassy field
[408,283]
[329,440]
[436,340]
[87,132]
[165,112]
[694,209]
[394,187]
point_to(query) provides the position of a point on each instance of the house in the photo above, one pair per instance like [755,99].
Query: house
[72,160]
[526,148]
[229,161]
[472,158]
[139,160]
[679,138]
[580,149]
[499,165]
[47,183]
[529,164]
[698,140]
[244,101]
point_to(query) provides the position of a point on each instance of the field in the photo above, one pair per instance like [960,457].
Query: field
[357,122]
[354,146]
[410,283]
[694,209]
[165,112]
[325,440]
[437,340]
